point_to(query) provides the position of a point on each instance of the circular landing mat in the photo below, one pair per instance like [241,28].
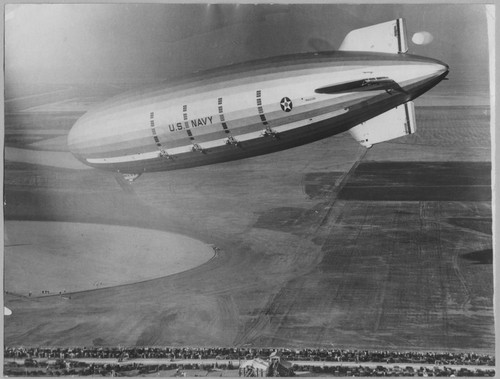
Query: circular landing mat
[47,258]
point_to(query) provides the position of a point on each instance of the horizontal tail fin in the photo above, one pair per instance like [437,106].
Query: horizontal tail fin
[387,37]
[368,84]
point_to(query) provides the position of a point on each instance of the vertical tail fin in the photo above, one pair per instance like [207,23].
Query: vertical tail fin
[397,122]
[387,37]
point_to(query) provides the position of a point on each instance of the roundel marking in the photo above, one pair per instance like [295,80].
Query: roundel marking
[286,104]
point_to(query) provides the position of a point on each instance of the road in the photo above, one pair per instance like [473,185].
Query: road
[235,363]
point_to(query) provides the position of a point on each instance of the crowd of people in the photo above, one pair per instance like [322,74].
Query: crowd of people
[242,353]
[393,371]
[60,367]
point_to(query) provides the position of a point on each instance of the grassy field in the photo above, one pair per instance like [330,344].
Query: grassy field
[303,262]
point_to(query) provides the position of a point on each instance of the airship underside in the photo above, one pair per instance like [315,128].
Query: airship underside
[261,107]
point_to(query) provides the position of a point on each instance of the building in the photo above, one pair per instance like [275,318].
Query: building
[258,367]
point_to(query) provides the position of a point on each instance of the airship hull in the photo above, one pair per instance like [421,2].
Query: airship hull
[248,109]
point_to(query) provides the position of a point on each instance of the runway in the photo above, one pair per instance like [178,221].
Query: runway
[321,245]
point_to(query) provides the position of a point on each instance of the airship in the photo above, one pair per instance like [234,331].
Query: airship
[366,87]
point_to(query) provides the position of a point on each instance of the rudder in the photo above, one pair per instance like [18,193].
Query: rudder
[387,37]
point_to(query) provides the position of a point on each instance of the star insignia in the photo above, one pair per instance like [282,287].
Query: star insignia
[286,104]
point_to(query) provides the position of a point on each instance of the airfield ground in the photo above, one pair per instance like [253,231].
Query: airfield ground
[66,252]
[324,245]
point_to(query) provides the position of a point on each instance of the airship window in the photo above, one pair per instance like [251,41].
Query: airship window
[260,109]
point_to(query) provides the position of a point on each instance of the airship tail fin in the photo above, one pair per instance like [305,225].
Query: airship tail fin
[368,84]
[387,37]
[397,122]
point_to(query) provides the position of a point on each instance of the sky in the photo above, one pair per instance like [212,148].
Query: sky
[106,43]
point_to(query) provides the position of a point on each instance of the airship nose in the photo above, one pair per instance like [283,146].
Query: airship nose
[80,138]
[74,138]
